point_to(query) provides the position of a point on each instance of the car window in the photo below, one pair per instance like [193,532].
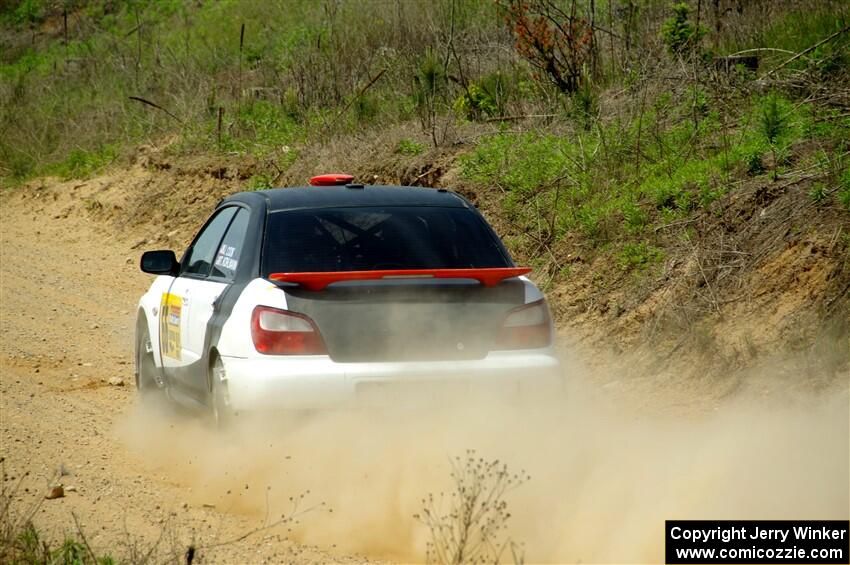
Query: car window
[395,237]
[201,254]
[227,257]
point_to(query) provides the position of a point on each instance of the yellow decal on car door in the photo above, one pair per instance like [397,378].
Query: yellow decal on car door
[169,325]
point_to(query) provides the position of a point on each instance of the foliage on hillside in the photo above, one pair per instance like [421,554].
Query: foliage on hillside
[600,122]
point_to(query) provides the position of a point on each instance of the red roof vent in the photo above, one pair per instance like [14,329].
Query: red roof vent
[331,179]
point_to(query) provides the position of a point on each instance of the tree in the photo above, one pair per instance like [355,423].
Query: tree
[679,34]
[553,41]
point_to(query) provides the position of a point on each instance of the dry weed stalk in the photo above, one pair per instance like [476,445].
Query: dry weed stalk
[469,525]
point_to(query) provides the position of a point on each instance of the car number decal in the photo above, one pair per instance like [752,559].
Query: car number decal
[169,324]
[226,258]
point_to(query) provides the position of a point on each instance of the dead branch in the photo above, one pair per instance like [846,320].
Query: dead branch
[672,224]
[155,105]
[417,179]
[356,97]
[514,118]
[759,50]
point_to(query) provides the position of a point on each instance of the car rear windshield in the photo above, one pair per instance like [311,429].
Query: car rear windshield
[367,239]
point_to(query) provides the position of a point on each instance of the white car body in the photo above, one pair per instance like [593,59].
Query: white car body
[188,323]
[262,382]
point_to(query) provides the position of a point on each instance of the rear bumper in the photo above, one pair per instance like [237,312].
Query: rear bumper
[307,383]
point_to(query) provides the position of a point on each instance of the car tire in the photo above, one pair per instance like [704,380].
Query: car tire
[145,365]
[221,411]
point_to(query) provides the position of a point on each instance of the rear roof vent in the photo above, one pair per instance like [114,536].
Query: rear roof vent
[331,179]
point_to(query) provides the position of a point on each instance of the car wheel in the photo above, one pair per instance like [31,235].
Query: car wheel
[220,409]
[146,371]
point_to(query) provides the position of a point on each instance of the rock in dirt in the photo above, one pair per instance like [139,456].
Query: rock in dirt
[56,491]
[116,381]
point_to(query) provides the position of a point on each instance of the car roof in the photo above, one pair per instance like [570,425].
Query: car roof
[345,196]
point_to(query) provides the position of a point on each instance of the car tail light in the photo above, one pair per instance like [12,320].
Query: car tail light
[280,332]
[526,327]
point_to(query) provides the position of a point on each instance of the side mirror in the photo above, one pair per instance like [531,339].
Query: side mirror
[162,262]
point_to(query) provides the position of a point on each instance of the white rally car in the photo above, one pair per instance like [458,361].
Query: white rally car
[313,297]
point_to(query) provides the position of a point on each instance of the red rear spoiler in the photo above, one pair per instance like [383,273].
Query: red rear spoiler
[318,281]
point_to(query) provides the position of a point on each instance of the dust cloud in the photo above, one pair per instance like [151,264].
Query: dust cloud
[606,470]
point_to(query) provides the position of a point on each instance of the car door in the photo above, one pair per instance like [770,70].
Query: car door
[188,301]
[205,299]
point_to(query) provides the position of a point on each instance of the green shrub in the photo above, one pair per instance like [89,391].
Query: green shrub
[639,255]
[81,163]
[266,125]
[366,108]
[586,99]
[774,124]
[818,193]
[488,96]
[635,218]
[521,163]
[589,222]
[475,103]
[71,552]
[26,12]
[429,87]
[17,165]
[754,162]
[260,181]
[708,194]
[501,88]
[408,146]
[678,33]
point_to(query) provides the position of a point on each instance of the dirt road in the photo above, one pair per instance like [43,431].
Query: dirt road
[68,290]
[137,480]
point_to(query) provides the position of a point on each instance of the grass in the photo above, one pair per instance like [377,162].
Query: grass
[409,147]
[639,255]
[294,77]
[792,31]
[28,547]
[296,72]
[618,182]
[81,163]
